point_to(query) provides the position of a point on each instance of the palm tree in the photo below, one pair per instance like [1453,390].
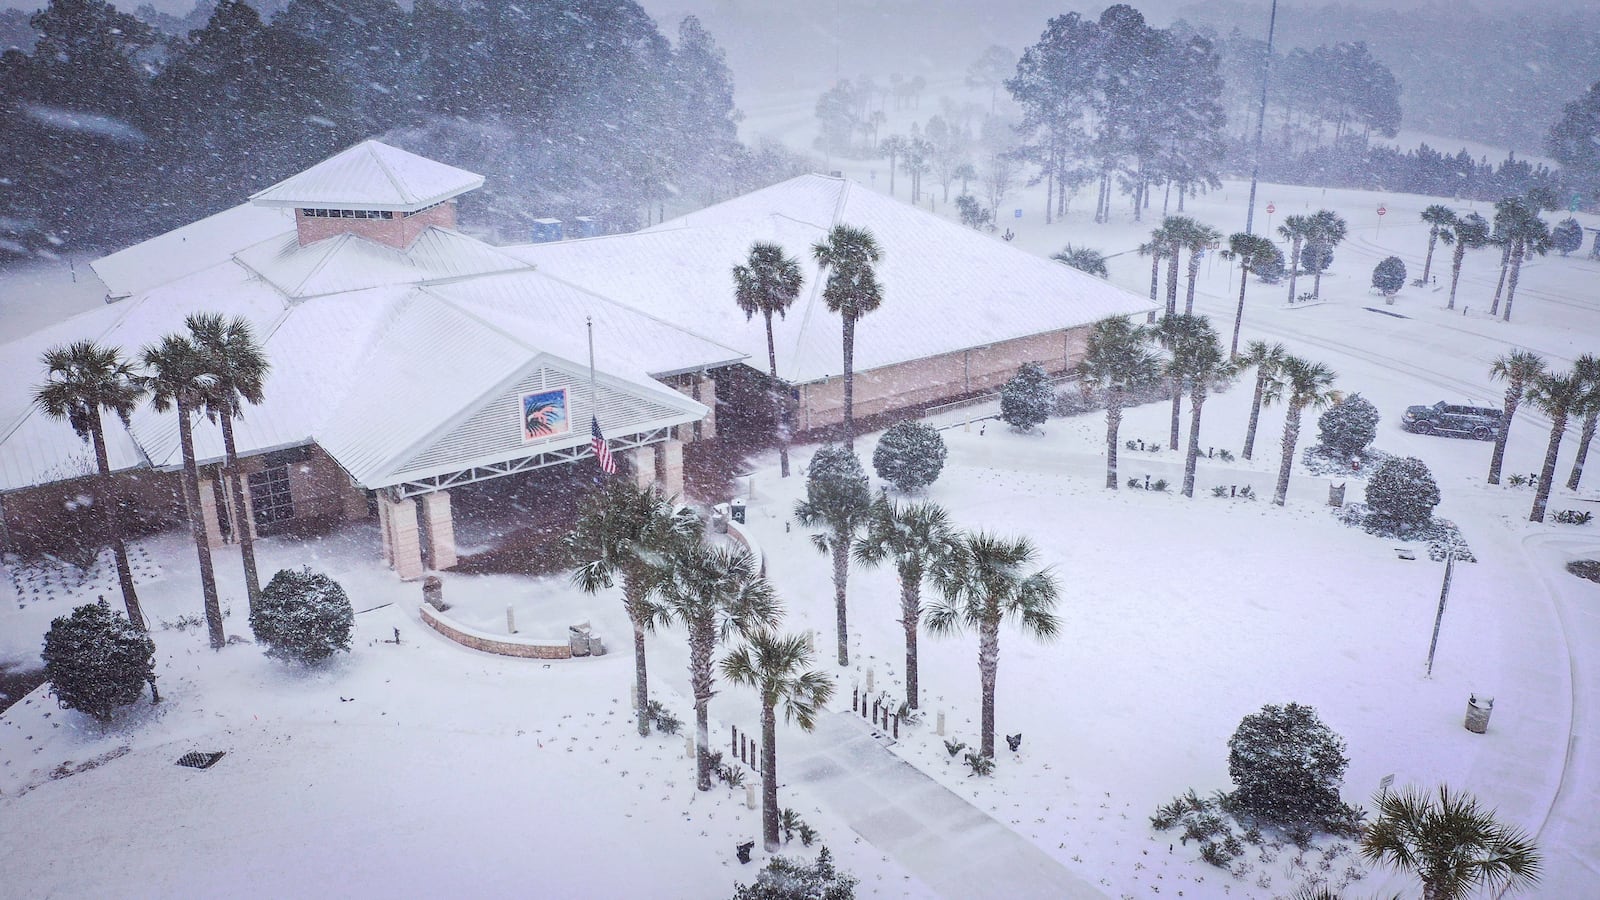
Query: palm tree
[715,592]
[769,282]
[1557,396]
[1518,369]
[1328,230]
[1173,333]
[1203,364]
[1251,250]
[893,146]
[983,583]
[180,375]
[1469,232]
[1298,384]
[627,531]
[82,379]
[1266,359]
[917,536]
[839,502]
[1587,368]
[1156,249]
[1452,844]
[1196,238]
[779,668]
[1179,232]
[240,368]
[1295,229]
[852,291]
[1530,235]
[1441,219]
[1118,359]
[1083,259]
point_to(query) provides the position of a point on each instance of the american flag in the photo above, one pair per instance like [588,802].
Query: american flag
[602,453]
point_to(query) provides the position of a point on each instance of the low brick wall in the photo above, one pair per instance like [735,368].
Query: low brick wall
[499,644]
[741,535]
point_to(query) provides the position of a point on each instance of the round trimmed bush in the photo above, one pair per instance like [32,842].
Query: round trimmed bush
[1389,276]
[1028,398]
[96,660]
[910,455]
[1403,491]
[302,616]
[1349,427]
[1287,767]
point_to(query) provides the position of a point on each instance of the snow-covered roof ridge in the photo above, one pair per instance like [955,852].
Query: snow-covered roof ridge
[371,175]
[351,262]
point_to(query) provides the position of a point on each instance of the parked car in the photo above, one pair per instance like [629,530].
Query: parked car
[1481,422]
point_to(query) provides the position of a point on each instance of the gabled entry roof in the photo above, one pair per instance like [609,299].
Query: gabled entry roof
[371,175]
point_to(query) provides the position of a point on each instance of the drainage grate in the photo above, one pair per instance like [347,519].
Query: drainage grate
[1384,312]
[197,760]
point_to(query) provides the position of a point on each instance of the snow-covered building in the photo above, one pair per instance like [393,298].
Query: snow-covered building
[409,358]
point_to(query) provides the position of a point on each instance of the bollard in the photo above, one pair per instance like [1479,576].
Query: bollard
[939,726]
[749,796]
[511,620]
[874,712]
[869,680]
[688,746]
[855,698]
[897,726]
[735,747]
[1478,710]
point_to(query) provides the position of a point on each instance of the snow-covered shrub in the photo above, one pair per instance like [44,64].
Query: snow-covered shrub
[662,718]
[1567,236]
[835,480]
[1271,269]
[302,616]
[1316,257]
[785,879]
[96,660]
[973,214]
[910,455]
[1349,427]
[1574,517]
[1286,767]
[1028,398]
[1389,276]
[980,765]
[1403,492]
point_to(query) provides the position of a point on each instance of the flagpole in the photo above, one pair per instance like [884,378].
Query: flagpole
[594,411]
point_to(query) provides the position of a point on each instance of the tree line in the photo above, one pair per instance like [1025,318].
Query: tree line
[107,126]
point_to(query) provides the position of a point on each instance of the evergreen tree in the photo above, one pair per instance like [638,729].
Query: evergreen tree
[1286,766]
[1403,492]
[1574,142]
[1349,426]
[1389,276]
[910,455]
[838,501]
[303,616]
[1028,398]
[1567,236]
[96,660]
[785,879]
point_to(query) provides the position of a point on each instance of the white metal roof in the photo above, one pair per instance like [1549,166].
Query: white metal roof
[370,175]
[351,262]
[946,287]
[189,249]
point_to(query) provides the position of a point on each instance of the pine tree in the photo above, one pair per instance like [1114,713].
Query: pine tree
[910,455]
[1028,398]
[303,617]
[96,660]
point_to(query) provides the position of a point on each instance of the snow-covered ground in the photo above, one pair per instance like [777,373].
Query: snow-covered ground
[421,767]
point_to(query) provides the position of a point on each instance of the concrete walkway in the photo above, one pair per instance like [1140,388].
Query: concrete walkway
[954,847]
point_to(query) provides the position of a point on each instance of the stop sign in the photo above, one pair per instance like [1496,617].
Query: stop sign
[1271,209]
[1382,211]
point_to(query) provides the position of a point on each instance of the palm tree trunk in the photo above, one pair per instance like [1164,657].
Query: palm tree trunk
[247,543]
[1255,414]
[1294,267]
[641,686]
[702,644]
[1238,315]
[1427,261]
[1113,425]
[220,501]
[1455,272]
[1513,398]
[988,667]
[197,529]
[1516,272]
[1587,435]
[1291,436]
[109,508]
[841,573]
[1505,265]
[1177,413]
[1172,281]
[769,777]
[1155,273]
[783,405]
[849,383]
[1197,399]
[1316,285]
[1194,273]
[1558,430]
[910,613]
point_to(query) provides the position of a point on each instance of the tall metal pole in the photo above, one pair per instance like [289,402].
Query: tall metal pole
[1438,619]
[588,322]
[1261,121]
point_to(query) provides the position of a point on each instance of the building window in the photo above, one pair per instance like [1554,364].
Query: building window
[270,498]
[347,213]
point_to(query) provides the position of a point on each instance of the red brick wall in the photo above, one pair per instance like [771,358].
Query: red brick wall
[397,232]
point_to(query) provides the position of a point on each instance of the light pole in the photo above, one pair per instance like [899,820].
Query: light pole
[1261,121]
[1444,594]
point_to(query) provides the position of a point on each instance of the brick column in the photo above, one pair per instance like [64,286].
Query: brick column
[669,465]
[403,538]
[437,520]
[641,465]
[708,395]
[385,533]
[208,513]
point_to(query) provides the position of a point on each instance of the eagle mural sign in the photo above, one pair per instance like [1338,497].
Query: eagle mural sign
[544,415]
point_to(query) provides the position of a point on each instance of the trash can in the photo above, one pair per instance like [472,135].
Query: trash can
[597,647]
[736,509]
[579,642]
[1478,710]
[719,519]
[433,593]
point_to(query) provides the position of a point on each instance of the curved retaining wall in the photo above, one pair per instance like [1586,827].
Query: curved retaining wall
[741,535]
[499,644]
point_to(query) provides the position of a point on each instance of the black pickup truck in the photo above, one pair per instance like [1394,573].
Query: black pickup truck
[1481,422]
